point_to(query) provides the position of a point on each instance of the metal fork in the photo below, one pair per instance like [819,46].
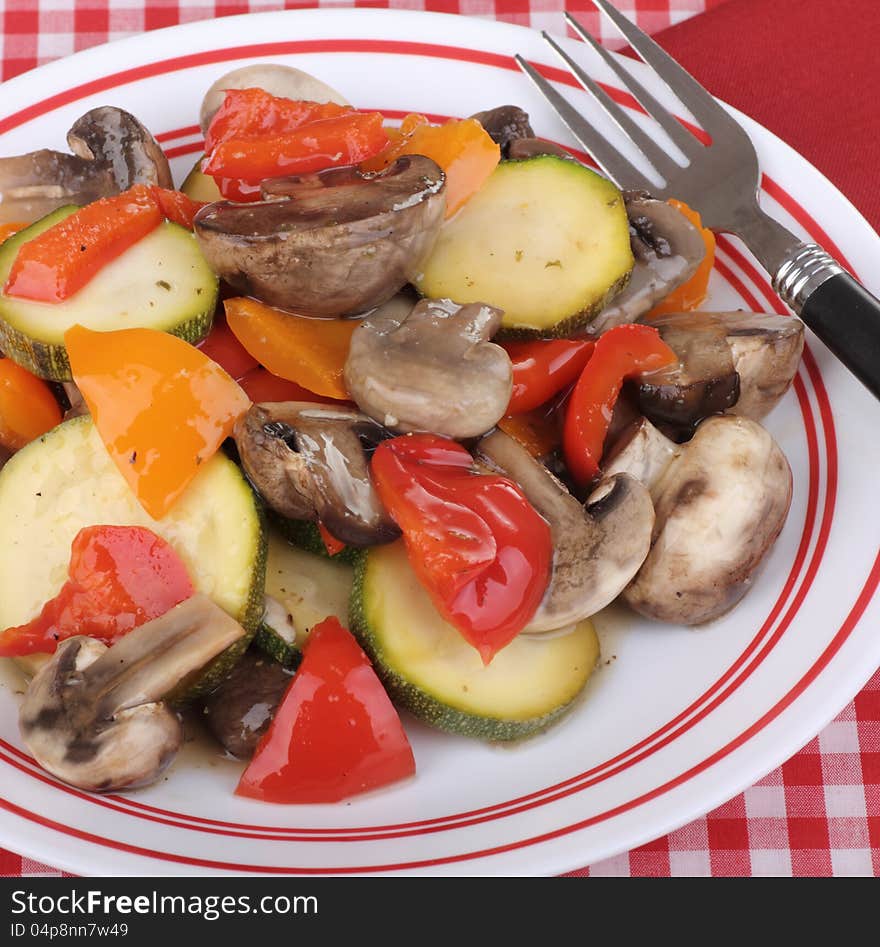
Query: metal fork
[721,181]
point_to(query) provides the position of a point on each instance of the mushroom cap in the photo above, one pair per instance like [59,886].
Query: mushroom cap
[667,248]
[112,151]
[766,350]
[332,243]
[239,712]
[703,382]
[274,78]
[130,749]
[430,367]
[720,507]
[505,124]
[738,361]
[308,462]
[597,548]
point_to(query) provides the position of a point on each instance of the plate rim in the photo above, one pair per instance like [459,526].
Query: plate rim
[347,15]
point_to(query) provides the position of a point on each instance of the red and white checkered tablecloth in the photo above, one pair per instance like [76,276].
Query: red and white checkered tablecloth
[819,813]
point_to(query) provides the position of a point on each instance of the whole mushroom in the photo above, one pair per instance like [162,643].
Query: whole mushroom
[112,151]
[329,244]
[310,462]
[96,717]
[430,367]
[738,361]
[721,501]
[597,547]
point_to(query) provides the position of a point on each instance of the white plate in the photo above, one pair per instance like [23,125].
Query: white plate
[676,721]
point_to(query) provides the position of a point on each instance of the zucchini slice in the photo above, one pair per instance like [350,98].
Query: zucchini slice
[545,239]
[302,589]
[162,282]
[200,187]
[304,534]
[429,669]
[66,480]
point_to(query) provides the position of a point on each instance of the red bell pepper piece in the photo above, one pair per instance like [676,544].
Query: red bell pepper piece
[346,139]
[335,734]
[255,113]
[120,577]
[61,260]
[623,352]
[176,206]
[222,347]
[543,368]
[475,542]
[333,545]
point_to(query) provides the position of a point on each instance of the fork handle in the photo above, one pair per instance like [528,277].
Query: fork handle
[839,310]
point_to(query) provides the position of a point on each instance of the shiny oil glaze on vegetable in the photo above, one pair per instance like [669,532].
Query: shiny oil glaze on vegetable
[163,282]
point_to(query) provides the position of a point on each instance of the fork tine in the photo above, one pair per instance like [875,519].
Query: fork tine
[704,108]
[648,147]
[683,138]
[609,159]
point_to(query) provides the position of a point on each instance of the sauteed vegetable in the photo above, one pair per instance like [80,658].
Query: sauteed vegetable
[458,397]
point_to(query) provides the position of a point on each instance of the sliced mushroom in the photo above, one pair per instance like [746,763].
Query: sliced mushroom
[505,125]
[667,248]
[310,462]
[720,504]
[766,353]
[112,151]
[430,367]
[727,360]
[283,81]
[703,383]
[95,717]
[598,547]
[332,243]
[239,712]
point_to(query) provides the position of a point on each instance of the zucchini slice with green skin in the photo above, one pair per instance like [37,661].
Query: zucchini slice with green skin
[66,480]
[429,669]
[305,535]
[302,589]
[544,239]
[199,186]
[162,282]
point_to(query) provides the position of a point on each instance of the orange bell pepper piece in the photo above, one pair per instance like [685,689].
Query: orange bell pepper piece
[27,406]
[310,352]
[61,260]
[8,230]
[538,431]
[692,293]
[161,406]
[462,148]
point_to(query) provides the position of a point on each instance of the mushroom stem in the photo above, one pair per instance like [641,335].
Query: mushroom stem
[95,717]
[151,661]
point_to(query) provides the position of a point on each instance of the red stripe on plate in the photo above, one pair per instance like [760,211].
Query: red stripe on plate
[825,413]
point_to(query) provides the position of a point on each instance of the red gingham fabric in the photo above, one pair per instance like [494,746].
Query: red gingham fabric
[819,813]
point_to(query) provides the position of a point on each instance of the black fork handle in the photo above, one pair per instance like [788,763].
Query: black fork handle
[846,317]
[841,312]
